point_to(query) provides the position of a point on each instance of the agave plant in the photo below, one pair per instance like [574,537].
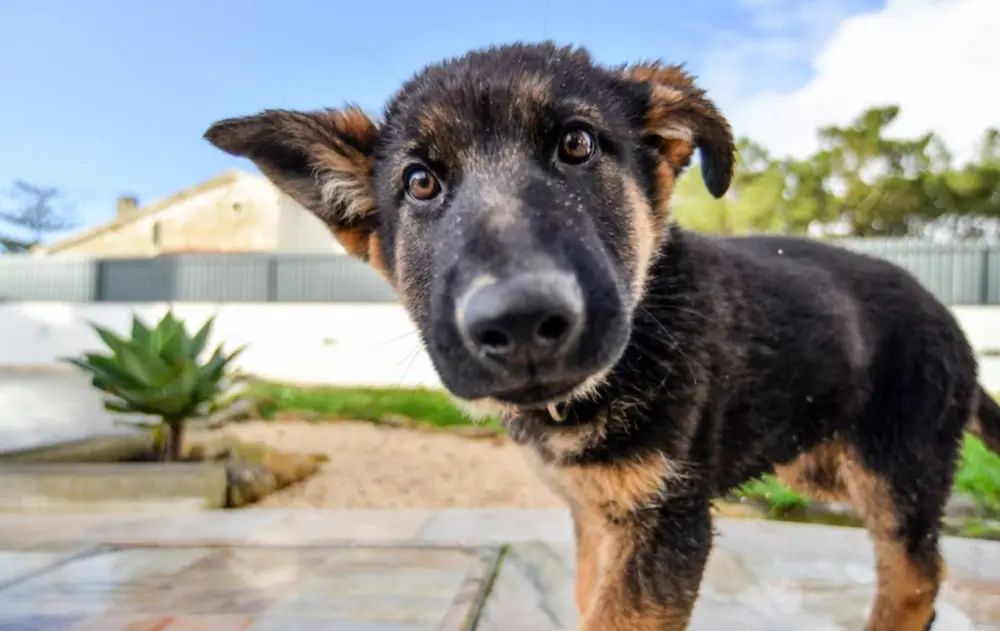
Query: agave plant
[159,372]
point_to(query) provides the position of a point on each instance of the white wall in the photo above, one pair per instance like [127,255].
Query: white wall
[348,344]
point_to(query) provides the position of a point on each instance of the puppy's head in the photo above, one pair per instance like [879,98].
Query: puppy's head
[516,197]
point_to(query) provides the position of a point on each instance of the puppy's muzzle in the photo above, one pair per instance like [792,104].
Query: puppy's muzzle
[523,325]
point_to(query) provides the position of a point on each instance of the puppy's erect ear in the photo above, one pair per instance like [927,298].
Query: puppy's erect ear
[323,160]
[682,118]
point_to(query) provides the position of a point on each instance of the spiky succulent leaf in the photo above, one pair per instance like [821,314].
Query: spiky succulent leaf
[140,332]
[138,360]
[176,349]
[201,337]
[104,369]
[158,335]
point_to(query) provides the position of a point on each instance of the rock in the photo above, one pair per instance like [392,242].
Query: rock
[287,468]
[247,482]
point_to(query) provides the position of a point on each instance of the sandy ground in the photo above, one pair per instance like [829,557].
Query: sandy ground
[386,467]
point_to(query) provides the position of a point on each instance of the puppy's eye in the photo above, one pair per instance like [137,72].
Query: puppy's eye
[577,146]
[421,184]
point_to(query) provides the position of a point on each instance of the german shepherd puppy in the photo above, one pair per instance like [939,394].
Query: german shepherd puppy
[518,199]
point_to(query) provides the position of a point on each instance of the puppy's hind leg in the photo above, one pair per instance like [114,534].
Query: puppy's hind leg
[902,507]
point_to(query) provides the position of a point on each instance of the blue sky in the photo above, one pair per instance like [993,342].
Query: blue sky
[107,97]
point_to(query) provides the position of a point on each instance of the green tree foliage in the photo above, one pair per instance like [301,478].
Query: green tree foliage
[35,212]
[860,182]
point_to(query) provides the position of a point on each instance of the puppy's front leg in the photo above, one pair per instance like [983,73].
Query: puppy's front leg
[650,566]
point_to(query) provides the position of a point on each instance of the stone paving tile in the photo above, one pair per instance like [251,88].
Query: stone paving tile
[533,591]
[21,563]
[202,528]
[160,623]
[750,583]
[36,623]
[274,570]
[246,587]
[306,527]
[478,527]
[24,530]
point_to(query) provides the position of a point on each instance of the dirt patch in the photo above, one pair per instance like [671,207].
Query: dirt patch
[385,467]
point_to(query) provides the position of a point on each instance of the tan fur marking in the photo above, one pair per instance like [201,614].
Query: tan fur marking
[663,75]
[612,606]
[345,173]
[410,292]
[432,120]
[566,442]
[904,599]
[665,182]
[361,242]
[817,473]
[643,235]
[375,257]
[681,116]
[621,488]
[530,96]
[354,240]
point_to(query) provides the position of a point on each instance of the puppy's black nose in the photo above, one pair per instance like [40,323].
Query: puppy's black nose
[531,317]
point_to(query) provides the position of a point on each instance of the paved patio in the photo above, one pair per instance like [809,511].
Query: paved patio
[458,570]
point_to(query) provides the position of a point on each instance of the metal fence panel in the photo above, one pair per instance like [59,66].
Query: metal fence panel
[957,273]
[135,280]
[221,278]
[308,278]
[991,276]
[31,278]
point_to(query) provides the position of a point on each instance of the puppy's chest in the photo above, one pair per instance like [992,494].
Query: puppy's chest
[565,457]
[613,490]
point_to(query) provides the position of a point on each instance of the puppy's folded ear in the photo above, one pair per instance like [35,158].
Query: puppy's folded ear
[323,160]
[680,118]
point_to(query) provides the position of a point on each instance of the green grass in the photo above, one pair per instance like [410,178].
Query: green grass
[978,476]
[778,498]
[365,404]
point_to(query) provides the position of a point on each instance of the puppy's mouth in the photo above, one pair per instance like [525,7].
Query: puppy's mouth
[539,395]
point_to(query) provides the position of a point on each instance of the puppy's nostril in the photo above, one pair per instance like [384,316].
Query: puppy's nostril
[494,341]
[552,329]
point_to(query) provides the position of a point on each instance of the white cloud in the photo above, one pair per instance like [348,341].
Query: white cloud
[771,47]
[939,60]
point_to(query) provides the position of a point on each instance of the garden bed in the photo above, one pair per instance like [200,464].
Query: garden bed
[974,510]
[124,473]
